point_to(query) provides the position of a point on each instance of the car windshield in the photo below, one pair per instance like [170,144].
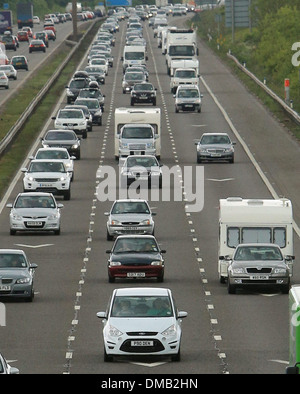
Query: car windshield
[134,55]
[214,139]
[143,86]
[185,74]
[137,132]
[134,76]
[135,245]
[10,260]
[35,202]
[18,59]
[93,70]
[188,93]
[60,135]
[142,306]
[66,114]
[141,162]
[52,154]
[122,207]
[78,84]
[262,253]
[93,93]
[47,167]
[91,104]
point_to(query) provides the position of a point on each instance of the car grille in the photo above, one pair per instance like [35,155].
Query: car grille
[215,150]
[141,333]
[255,270]
[47,180]
[6,281]
[137,146]
[157,347]
[130,223]
[70,124]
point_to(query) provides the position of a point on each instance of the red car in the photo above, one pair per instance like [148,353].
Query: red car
[23,35]
[28,29]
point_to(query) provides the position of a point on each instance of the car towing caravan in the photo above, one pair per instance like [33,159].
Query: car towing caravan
[253,221]
[149,116]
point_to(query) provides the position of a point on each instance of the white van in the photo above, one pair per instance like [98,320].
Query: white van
[253,221]
[134,55]
[150,116]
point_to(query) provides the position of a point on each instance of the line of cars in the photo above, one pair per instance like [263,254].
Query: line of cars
[139,321]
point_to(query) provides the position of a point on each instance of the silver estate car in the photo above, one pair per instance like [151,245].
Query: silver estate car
[259,264]
[129,216]
[35,211]
[16,275]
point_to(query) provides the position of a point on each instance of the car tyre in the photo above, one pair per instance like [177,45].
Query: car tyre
[111,279]
[199,160]
[12,232]
[57,232]
[132,103]
[67,195]
[176,357]
[231,288]
[84,135]
[109,237]
[107,358]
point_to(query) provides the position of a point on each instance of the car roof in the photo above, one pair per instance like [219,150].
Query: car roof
[131,200]
[12,251]
[215,134]
[142,291]
[188,87]
[36,194]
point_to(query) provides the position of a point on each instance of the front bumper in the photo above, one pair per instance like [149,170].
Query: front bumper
[215,156]
[258,280]
[134,229]
[124,152]
[43,224]
[188,107]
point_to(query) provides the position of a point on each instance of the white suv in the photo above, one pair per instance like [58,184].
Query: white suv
[188,98]
[71,119]
[137,139]
[48,176]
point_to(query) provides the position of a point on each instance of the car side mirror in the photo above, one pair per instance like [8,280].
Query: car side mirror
[108,251]
[9,205]
[163,251]
[101,315]
[24,169]
[106,213]
[60,205]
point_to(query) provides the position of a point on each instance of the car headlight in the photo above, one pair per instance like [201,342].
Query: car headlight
[156,262]
[228,150]
[75,146]
[201,150]
[114,332]
[69,92]
[15,216]
[115,222]
[23,280]
[123,145]
[145,222]
[53,217]
[114,263]
[238,271]
[82,123]
[279,271]
[30,178]
[150,145]
[170,331]
[62,178]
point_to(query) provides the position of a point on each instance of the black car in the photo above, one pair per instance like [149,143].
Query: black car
[94,108]
[136,256]
[42,35]
[143,93]
[19,62]
[74,88]
[63,139]
[97,72]
[92,93]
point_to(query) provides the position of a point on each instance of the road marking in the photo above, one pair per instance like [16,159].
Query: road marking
[220,180]
[150,365]
[34,246]
[280,361]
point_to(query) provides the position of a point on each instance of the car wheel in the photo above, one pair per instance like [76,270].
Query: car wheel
[199,159]
[67,195]
[107,358]
[57,232]
[100,122]
[231,288]
[154,102]
[78,156]
[109,237]
[84,135]
[12,232]
[199,110]
[111,279]
[176,357]
[7,87]
[31,297]
[285,289]
[231,159]
[15,78]
[132,103]
[160,279]
[176,110]
[222,279]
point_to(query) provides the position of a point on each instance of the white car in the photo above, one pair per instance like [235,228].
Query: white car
[9,70]
[100,62]
[47,176]
[5,368]
[56,154]
[71,119]
[4,80]
[36,20]
[142,321]
[34,211]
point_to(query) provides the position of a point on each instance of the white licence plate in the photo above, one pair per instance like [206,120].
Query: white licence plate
[135,274]
[188,105]
[46,185]
[34,223]
[132,228]
[259,277]
[141,343]
[4,287]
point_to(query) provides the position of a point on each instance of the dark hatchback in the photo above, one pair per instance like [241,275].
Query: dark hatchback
[19,62]
[74,88]
[63,139]
[136,257]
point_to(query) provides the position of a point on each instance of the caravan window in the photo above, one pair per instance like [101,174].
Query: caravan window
[233,237]
[280,236]
[256,235]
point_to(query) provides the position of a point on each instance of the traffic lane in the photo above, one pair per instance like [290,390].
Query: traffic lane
[276,150]
[222,180]
[35,59]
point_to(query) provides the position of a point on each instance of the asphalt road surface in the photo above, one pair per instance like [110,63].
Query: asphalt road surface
[246,333]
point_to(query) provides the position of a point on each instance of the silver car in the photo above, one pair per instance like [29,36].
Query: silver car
[129,216]
[35,211]
[215,147]
[258,264]
[188,98]
[16,275]
[4,80]
[5,368]
[9,70]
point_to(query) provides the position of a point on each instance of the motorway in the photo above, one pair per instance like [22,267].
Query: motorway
[246,333]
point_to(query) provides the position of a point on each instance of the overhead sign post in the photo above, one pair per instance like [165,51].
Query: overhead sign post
[237,14]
